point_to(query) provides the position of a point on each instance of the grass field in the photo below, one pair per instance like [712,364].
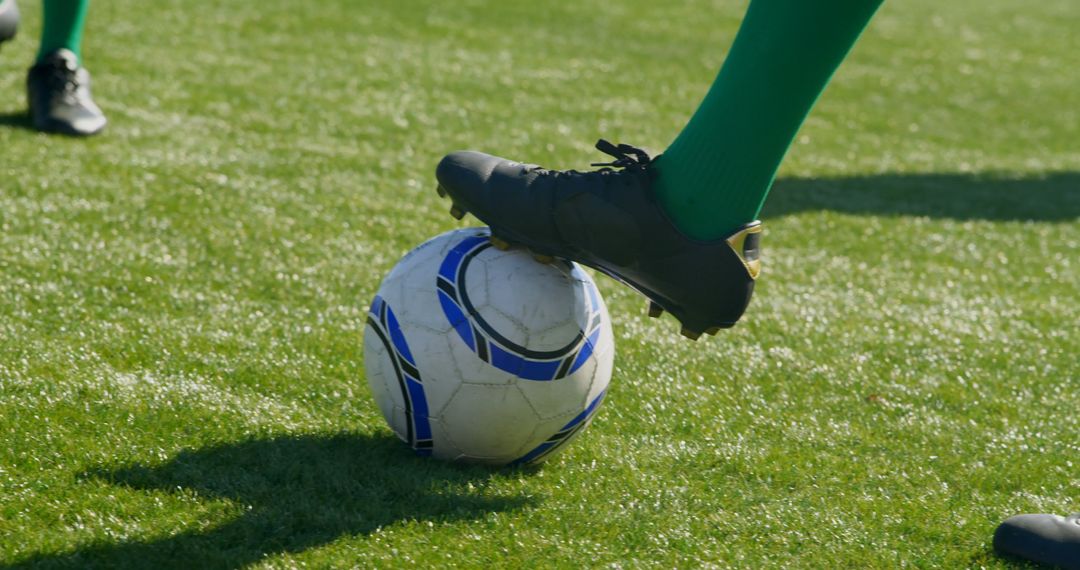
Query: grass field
[182,299]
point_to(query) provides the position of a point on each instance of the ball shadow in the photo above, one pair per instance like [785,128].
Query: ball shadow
[1053,197]
[298,491]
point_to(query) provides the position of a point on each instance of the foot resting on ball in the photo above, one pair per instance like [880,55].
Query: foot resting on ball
[609,219]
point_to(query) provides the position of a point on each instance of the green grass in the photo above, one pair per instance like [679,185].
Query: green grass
[182,299]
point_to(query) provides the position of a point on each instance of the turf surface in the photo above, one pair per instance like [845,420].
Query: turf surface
[182,299]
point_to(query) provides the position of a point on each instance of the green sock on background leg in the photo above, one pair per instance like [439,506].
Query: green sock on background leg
[716,174]
[63,26]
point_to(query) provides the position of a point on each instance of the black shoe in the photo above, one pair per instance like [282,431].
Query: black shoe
[609,219]
[9,20]
[58,91]
[1047,539]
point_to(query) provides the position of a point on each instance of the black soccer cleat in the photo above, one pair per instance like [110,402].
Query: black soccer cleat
[609,219]
[9,20]
[58,91]
[1046,539]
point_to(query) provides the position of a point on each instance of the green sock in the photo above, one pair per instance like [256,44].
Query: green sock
[716,174]
[63,26]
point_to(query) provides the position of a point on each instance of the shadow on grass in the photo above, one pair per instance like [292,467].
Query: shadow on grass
[1006,561]
[301,492]
[16,119]
[1054,197]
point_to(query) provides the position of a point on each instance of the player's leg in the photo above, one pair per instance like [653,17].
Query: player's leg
[63,27]
[717,172]
[58,86]
[1047,539]
[679,229]
[9,20]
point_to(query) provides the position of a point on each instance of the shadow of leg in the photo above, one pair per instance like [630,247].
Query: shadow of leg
[301,491]
[1051,197]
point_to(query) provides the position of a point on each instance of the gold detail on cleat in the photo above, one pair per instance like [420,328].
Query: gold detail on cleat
[746,244]
[692,335]
[441,191]
[542,258]
[499,243]
[655,310]
[457,212]
[712,331]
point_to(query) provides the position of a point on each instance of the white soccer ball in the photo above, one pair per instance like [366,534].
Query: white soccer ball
[481,355]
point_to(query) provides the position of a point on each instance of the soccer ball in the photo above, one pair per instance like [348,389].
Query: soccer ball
[487,356]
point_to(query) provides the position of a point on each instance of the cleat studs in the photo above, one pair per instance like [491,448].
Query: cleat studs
[542,258]
[457,212]
[499,243]
[655,310]
[712,331]
[692,335]
[441,191]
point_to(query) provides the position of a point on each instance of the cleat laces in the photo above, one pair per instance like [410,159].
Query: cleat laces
[626,156]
